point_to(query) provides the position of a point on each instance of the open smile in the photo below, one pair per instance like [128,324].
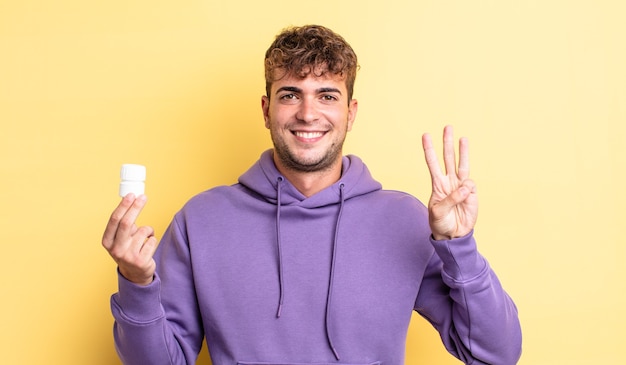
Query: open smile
[308,136]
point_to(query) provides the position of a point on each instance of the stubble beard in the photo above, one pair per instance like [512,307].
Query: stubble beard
[317,164]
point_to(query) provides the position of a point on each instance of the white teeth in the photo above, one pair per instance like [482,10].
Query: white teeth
[309,135]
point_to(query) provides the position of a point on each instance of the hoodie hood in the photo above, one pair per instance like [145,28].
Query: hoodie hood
[263,178]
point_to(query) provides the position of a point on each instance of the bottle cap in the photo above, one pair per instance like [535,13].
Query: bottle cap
[132,172]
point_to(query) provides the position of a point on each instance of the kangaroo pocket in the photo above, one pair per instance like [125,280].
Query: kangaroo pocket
[303,363]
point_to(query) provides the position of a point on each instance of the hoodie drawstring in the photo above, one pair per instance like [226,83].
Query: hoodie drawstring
[280,251]
[332,274]
[279,181]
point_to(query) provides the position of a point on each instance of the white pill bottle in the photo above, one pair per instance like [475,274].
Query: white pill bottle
[133,179]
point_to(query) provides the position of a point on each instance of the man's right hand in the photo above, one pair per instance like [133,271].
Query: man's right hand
[130,246]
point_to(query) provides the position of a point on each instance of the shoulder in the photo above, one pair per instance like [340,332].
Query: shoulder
[395,199]
[216,199]
[391,206]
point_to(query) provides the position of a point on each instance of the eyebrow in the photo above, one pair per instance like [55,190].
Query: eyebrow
[329,90]
[289,88]
[318,91]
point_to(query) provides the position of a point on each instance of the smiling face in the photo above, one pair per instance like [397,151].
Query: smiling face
[308,118]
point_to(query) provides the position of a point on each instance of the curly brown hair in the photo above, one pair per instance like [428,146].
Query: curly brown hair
[310,49]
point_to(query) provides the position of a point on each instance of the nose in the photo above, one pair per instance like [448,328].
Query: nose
[307,112]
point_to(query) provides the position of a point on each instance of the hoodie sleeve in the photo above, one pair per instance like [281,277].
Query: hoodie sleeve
[155,324]
[463,299]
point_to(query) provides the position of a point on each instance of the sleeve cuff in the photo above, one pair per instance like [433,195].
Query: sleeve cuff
[460,257]
[139,303]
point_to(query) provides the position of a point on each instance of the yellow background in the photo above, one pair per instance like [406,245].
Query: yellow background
[539,87]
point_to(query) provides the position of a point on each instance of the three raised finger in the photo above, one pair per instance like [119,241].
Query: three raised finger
[449,155]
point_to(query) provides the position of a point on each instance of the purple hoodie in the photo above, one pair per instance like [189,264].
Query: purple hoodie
[270,276]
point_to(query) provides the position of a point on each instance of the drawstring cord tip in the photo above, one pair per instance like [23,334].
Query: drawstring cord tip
[280,309]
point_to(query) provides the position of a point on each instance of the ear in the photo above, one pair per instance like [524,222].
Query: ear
[353,106]
[265,106]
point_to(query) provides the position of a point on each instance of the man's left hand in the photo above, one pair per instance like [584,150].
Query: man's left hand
[453,205]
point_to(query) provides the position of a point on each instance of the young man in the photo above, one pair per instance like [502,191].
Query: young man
[306,260]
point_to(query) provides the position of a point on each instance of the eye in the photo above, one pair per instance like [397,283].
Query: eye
[329,97]
[288,98]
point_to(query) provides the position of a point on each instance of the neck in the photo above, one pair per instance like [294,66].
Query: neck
[310,183]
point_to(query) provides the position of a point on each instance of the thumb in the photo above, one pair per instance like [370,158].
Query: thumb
[454,198]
